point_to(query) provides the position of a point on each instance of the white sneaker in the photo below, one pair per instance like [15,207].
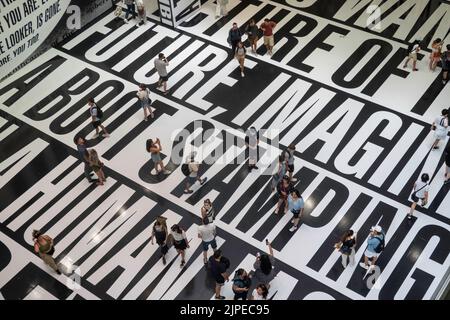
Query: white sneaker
[95,136]
[167,172]
[105,135]
[242,74]
[294,228]
[363,265]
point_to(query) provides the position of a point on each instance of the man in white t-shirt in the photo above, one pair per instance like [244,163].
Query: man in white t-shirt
[194,174]
[207,232]
[440,126]
[421,188]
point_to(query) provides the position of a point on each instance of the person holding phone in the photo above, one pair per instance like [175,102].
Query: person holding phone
[347,248]
[264,267]
[161,64]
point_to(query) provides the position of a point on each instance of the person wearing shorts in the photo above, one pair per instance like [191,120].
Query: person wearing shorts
[252,32]
[161,64]
[218,271]
[296,206]
[440,126]
[96,121]
[207,232]
[413,56]
[240,56]
[289,156]
[146,103]
[267,26]
[421,188]
[370,255]
[194,175]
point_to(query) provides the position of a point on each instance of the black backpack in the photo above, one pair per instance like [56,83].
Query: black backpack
[185,169]
[147,145]
[380,247]
[99,111]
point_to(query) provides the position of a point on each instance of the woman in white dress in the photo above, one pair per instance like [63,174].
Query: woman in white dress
[440,126]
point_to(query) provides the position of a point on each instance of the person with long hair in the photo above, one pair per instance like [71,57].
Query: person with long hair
[160,233]
[346,246]
[260,293]
[97,165]
[154,147]
[283,188]
[280,173]
[180,242]
[240,56]
[436,52]
[264,267]
[207,211]
[297,206]
[420,193]
[241,284]
[43,245]
[146,103]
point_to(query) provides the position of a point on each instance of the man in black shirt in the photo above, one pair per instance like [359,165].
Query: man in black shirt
[219,265]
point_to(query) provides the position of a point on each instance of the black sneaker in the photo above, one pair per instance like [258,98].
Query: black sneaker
[255,167]
[220,298]
[58,272]
[203,181]
[164,260]
[447,181]
[188,191]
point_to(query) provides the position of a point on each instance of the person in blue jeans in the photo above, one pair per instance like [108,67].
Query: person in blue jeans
[375,245]
[131,9]
[296,206]
[234,37]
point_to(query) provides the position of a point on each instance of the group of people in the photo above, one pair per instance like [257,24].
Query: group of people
[135,9]
[436,56]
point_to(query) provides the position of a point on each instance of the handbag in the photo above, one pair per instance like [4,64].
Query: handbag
[118,11]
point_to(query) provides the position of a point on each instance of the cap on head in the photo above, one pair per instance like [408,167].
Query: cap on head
[377,229]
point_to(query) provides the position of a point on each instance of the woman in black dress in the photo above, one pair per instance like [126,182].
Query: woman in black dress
[160,233]
[180,242]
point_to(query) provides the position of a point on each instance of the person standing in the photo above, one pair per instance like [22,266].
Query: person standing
[296,205]
[240,56]
[207,232]
[97,115]
[283,188]
[445,65]
[207,211]
[130,10]
[43,245]
[447,165]
[436,52]
[146,103]
[234,37]
[289,156]
[154,147]
[142,15]
[221,8]
[281,171]
[375,245]
[440,126]
[241,284]
[260,293]
[161,64]
[97,166]
[160,233]
[267,27]
[347,247]
[180,242]
[252,141]
[194,174]
[264,267]
[421,188]
[252,32]
[218,266]
[412,55]
[83,155]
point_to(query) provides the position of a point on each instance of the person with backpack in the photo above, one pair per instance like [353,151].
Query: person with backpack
[440,127]
[191,170]
[420,193]
[43,245]
[154,147]
[160,233]
[234,37]
[207,232]
[413,50]
[445,59]
[97,115]
[346,247]
[241,284]
[375,245]
[289,156]
[207,211]
[146,103]
[218,266]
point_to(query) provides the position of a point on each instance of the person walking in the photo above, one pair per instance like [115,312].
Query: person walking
[264,267]
[436,52]
[420,193]
[240,56]
[180,242]
[375,245]
[83,155]
[234,37]
[280,173]
[97,165]
[252,32]
[269,41]
[161,64]
[346,246]
[146,103]
[241,284]
[130,10]
[44,247]
[447,165]
[289,156]
[252,141]
[445,59]
[296,205]
[154,147]
[440,127]
[207,232]
[142,15]
[218,266]
[283,189]
[260,293]
[412,55]
[207,211]
[160,233]
[194,174]
[97,115]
